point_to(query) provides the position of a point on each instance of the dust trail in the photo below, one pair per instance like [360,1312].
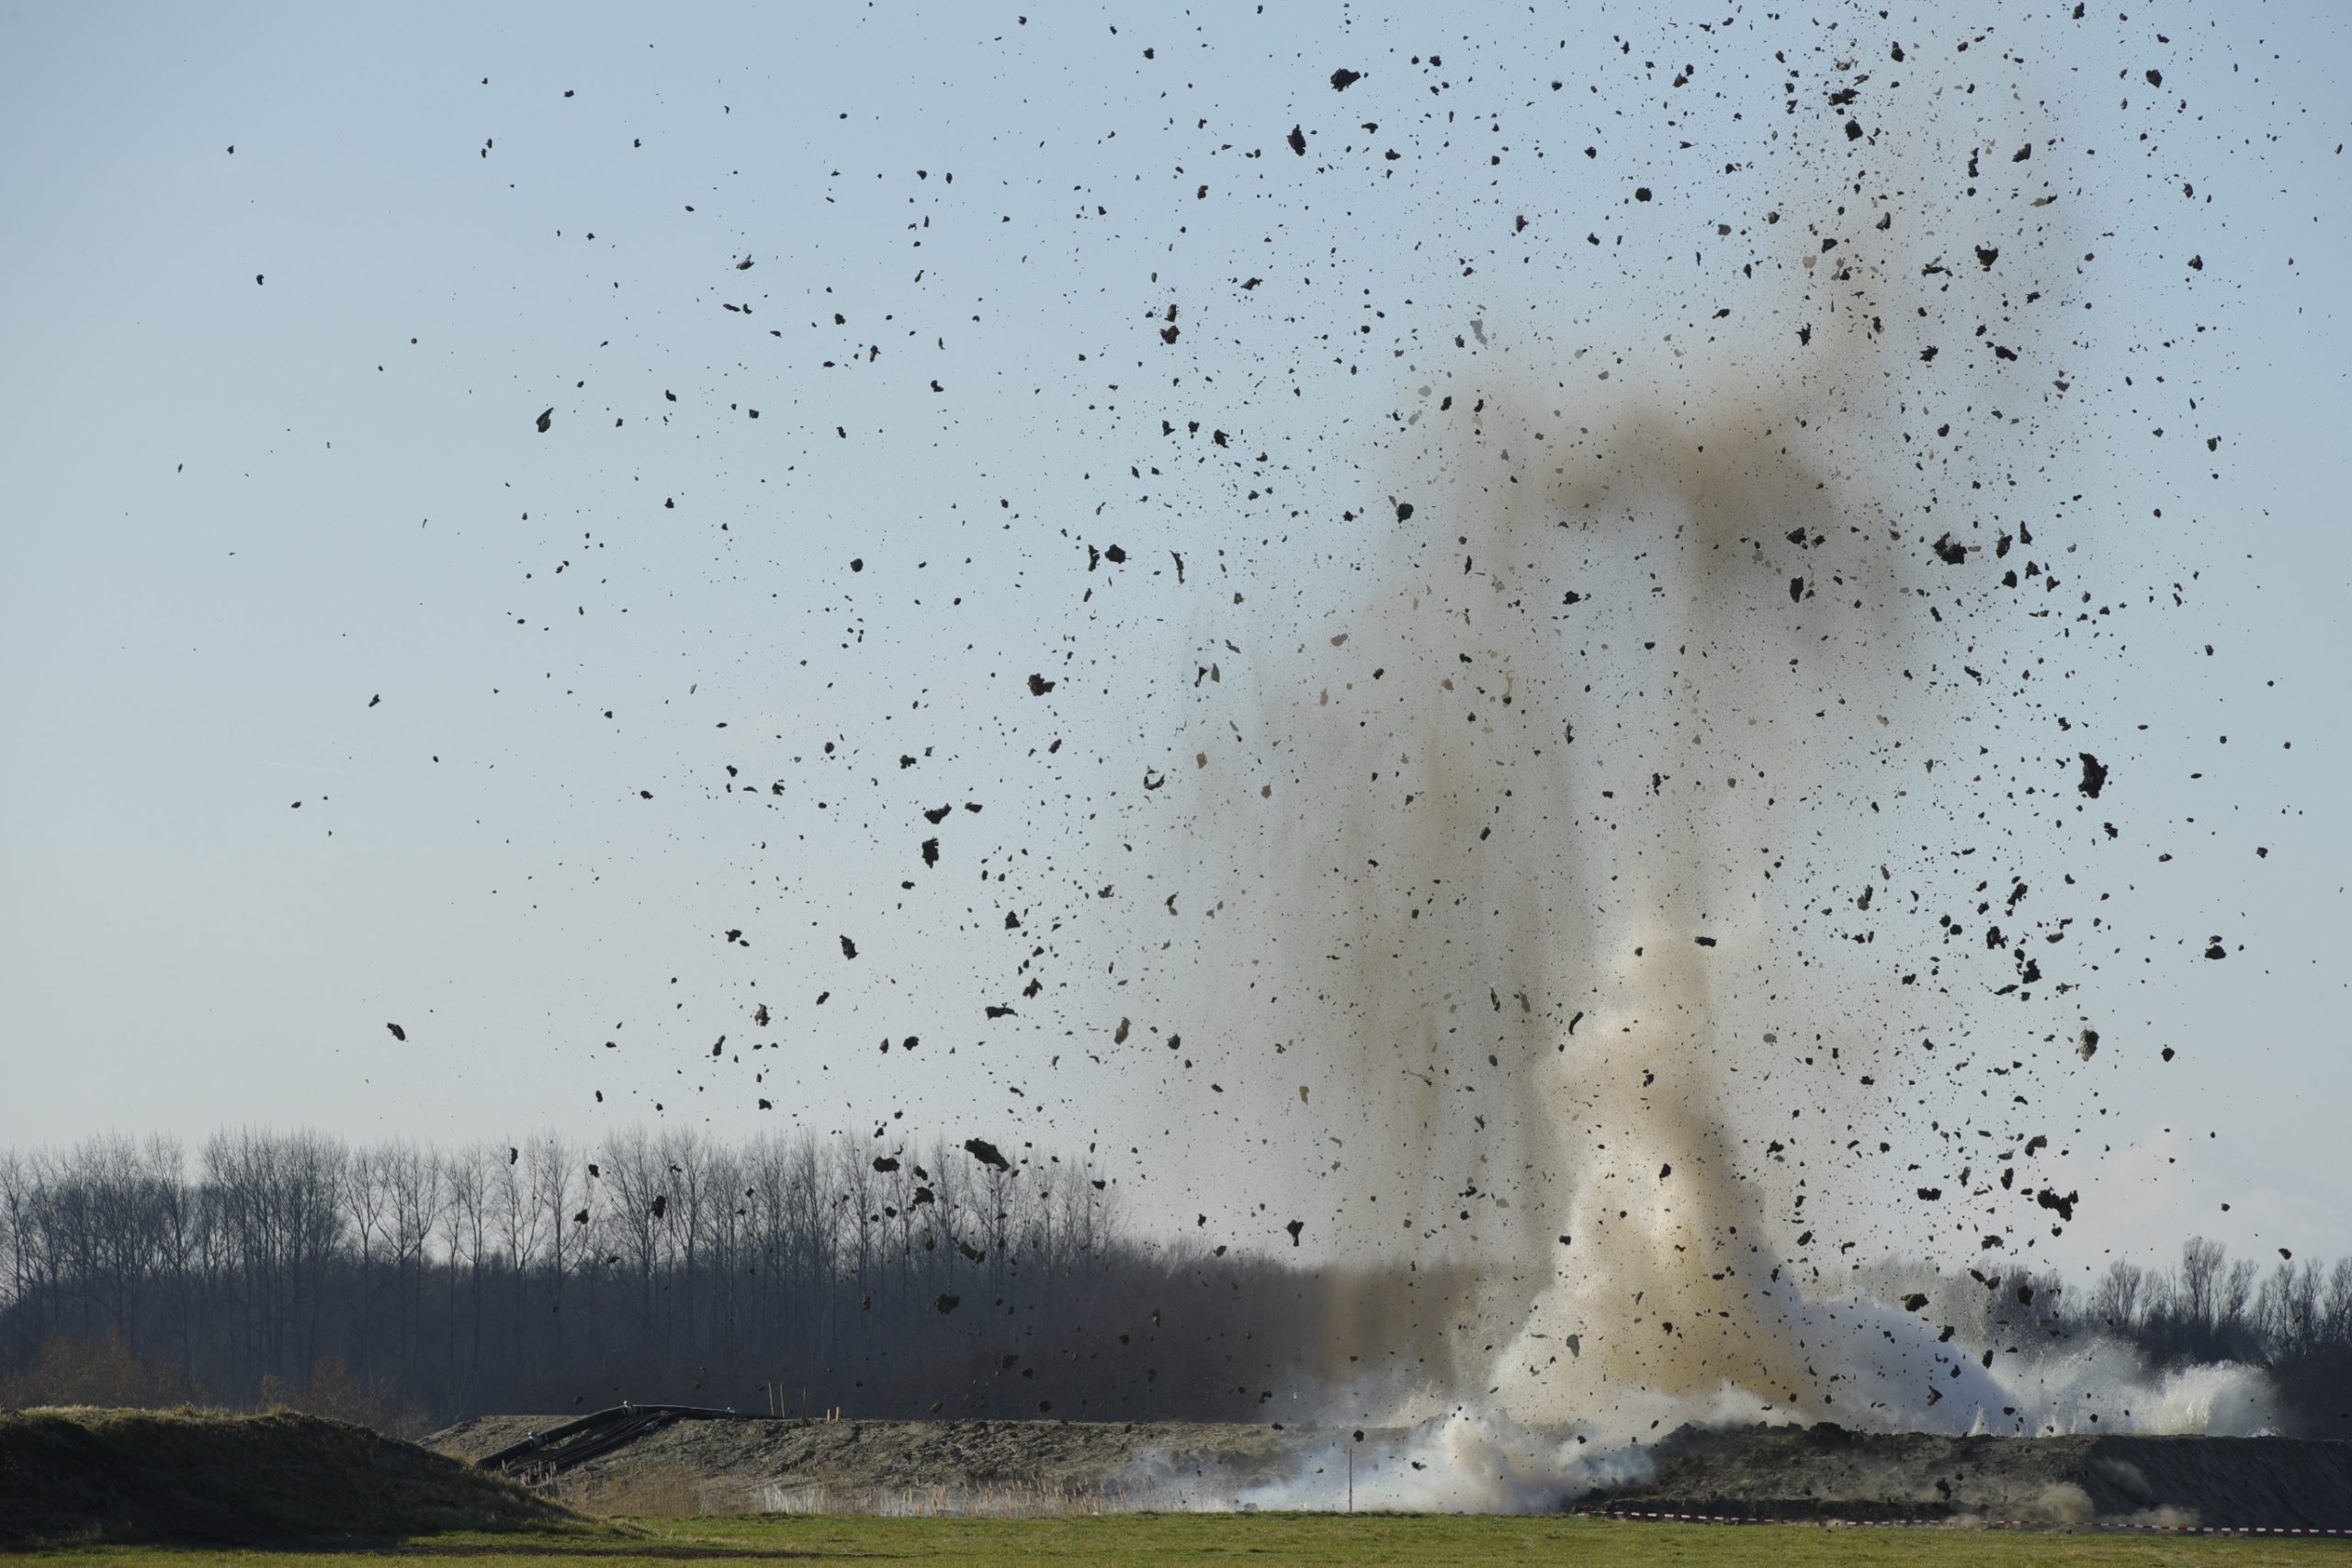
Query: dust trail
[1521,929]
[1540,782]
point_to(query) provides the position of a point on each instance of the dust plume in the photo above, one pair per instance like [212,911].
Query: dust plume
[1539,784]
[1525,930]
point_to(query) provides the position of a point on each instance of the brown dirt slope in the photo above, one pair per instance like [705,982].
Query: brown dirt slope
[81,1475]
[1825,1471]
[892,1455]
[1822,1471]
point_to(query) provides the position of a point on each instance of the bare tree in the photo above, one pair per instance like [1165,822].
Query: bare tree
[640,1213]
[569,1237]
[2116,1304]
[2335,1306]
[2236,1288]
[466,1223]
[2201,1282]
[412,1178]
[181,1220]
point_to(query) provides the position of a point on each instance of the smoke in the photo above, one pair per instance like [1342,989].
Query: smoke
[1521,909]
[1478,1459]
[1465,1461]
[1532,976]
[1523,937]
[2106,1386]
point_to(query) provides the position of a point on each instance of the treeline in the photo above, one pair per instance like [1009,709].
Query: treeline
[407,1288]
[2293,1317]
[410,1287]
[2210,1307]
[2214,1308]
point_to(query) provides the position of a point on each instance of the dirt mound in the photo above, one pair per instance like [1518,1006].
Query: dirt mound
[1822,1471]
[78,1475]
[781,1461]
[1825,1471]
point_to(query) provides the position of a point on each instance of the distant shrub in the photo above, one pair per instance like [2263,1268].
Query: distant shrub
[102,1372]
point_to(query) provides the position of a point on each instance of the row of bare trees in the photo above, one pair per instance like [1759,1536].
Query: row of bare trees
[410,1286]
[791,1272]
[2291,1315]
[2209,1307]
[2214,1307]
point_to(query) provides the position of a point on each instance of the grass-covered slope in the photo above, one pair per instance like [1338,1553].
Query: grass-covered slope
[79,1475]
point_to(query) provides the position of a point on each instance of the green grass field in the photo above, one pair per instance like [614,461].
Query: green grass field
[1418,1541]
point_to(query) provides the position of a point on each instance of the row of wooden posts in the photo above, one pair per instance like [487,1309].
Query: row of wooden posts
[780,1403]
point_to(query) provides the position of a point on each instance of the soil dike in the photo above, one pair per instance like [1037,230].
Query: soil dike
[1825,1471]
[119,1476]
[761,1461]
[1817,1472]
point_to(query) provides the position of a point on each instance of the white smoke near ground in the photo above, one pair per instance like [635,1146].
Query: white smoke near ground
[1465,1461]
[2107,1387]
[1478,1459]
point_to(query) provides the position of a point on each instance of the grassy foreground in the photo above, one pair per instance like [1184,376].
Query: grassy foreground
[1153,1539]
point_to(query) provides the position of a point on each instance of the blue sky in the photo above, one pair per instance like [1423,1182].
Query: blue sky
[233,511]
